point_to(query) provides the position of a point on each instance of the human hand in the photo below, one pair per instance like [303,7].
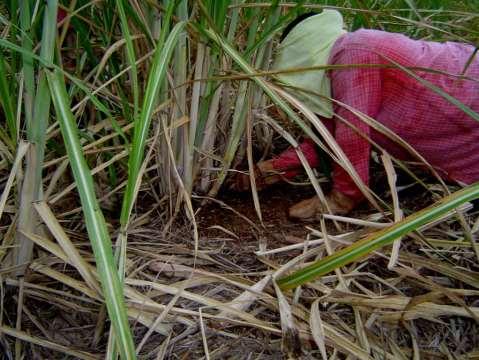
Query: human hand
[264,176]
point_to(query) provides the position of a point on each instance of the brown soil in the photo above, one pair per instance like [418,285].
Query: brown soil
[274,201]
[229,236]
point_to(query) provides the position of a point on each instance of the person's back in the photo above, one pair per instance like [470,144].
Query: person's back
[439,130]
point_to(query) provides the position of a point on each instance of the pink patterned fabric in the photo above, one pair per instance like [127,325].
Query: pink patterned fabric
[62,14]
[289,163]
[442,133]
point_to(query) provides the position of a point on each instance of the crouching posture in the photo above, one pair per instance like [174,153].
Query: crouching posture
[377,84]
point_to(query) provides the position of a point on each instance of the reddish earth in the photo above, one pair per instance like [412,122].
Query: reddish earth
[274,203]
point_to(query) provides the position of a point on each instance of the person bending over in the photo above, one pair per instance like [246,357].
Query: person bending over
[440,131]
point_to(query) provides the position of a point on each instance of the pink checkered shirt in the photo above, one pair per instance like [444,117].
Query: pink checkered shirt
[442,133]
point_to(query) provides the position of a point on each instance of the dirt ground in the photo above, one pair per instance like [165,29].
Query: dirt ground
[274,203]
[229,235]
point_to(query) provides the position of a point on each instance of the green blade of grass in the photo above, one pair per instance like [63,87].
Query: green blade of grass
[32,188]
[273,24]
[157,74]
[238,122]
[130,51]
[28,68]
[41,107]
[6,101]
[180,73]
[379,239]
[95,222]
[134,16]
[142,125]
[48,64]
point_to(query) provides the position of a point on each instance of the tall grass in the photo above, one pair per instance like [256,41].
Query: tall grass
[94,220]
[37,109]
[184,70]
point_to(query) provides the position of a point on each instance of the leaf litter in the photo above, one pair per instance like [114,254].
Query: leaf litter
[225,300]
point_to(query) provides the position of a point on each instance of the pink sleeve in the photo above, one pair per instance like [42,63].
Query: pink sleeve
[288,160]
[359,88]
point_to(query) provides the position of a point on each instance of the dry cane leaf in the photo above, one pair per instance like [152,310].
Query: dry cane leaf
[398,214]
[363,339]
[47,344]
[66,244]
[246,298]
[290,339]
[317,331]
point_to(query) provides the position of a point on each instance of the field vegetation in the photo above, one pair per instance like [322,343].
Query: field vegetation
[121,124]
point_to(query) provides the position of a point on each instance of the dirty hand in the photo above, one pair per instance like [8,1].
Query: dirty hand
[263,172]
[310,209]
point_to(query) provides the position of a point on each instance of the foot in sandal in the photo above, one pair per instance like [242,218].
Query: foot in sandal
[310,209]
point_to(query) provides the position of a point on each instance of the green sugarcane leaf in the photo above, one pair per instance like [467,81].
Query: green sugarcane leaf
[27,60]
[41,106]
[49,65]
[142,124]
[379,239]
[130,51]
[95,222]
[6,102]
